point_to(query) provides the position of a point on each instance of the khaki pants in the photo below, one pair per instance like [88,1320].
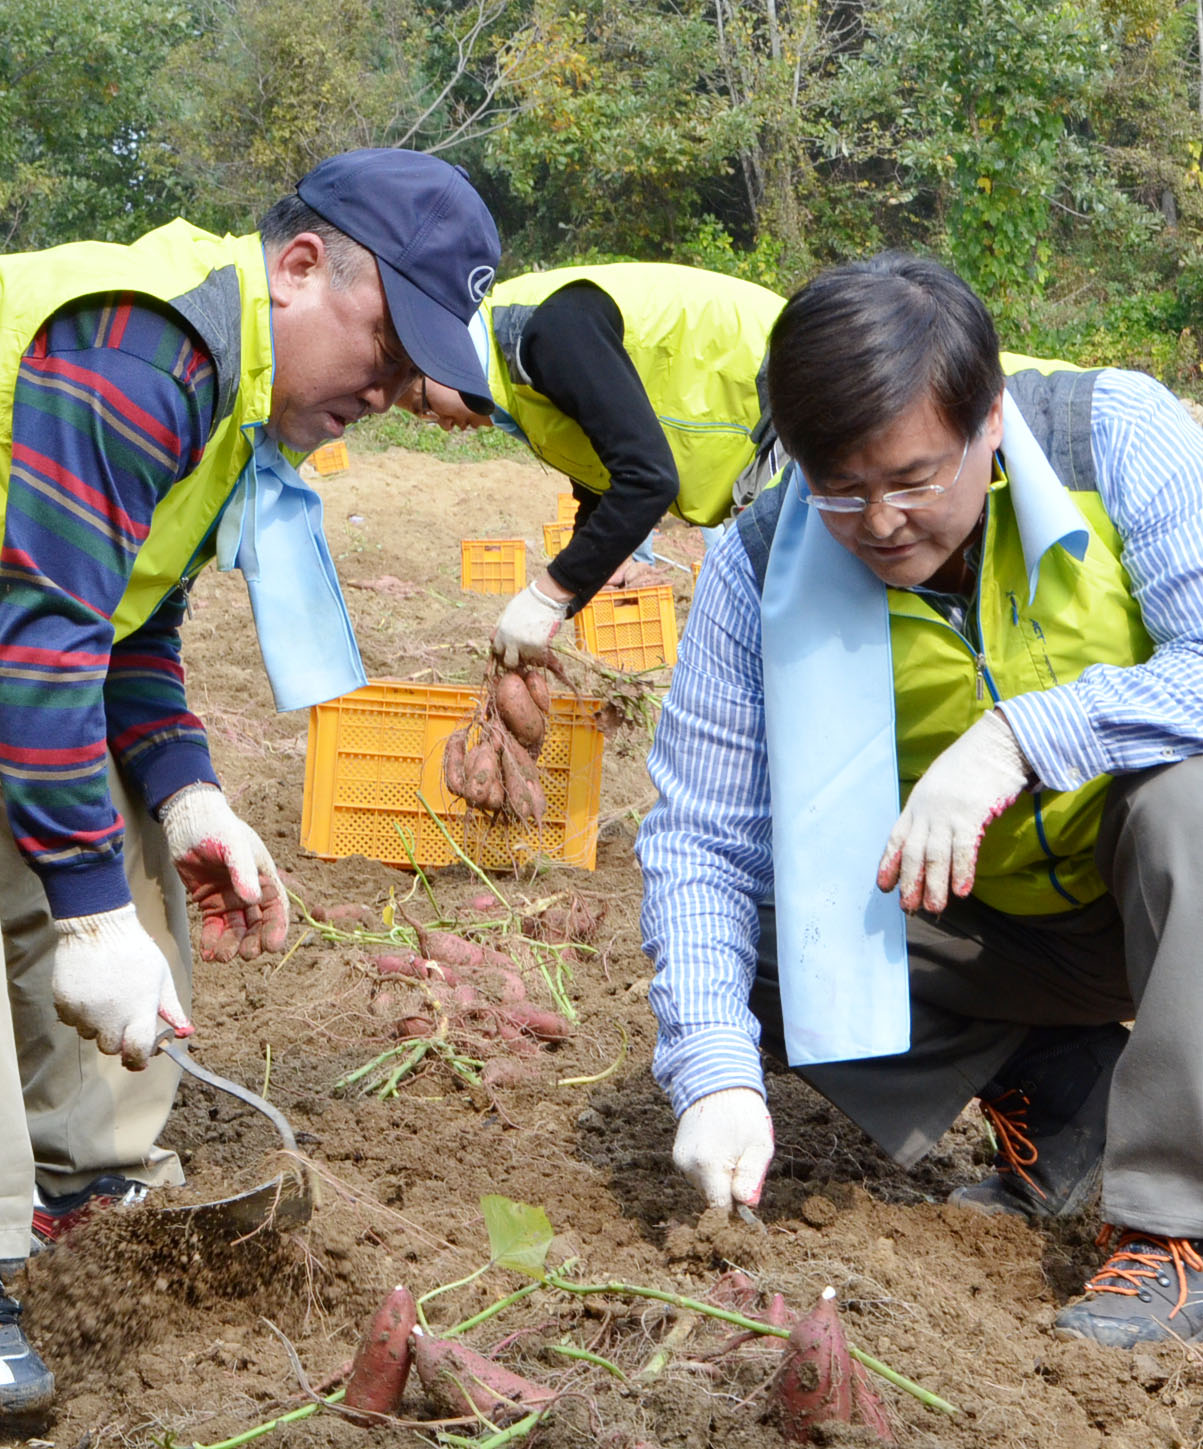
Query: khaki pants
[979,979]
[70,1113]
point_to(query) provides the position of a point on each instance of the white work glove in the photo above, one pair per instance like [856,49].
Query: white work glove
[228,873]
[112,983]
[724,1146]
[527,625]
[934,843]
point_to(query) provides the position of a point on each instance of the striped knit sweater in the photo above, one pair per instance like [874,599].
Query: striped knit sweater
[114,402]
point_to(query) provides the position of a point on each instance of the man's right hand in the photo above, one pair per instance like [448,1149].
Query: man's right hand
[527,624]
[112,983]
[724,1146]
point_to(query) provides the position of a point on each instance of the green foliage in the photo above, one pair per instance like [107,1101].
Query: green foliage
[984,110]
[519,1234]
[620,122]
[398,429]
[1051,152]
[1150,331]
[74,112]
[711,247]
[261,93]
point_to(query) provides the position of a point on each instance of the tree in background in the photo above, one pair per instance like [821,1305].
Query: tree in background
[623,129]
[1051,152]
[262,92]
[74,113]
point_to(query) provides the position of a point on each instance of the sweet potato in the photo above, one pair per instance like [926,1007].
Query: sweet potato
[449,948]
[814,1383]
[483,785]
[523,788]
[455,753]
[545,1025]
[349,914]
[407,1028]
[536,687]
[485,904]
[381,1364]
[458,1380]
[402,963]
[519,712]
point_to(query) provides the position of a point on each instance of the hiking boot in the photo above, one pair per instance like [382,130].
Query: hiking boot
[1149,1291]
[26,1384]
[1048,1109]
[53,1217]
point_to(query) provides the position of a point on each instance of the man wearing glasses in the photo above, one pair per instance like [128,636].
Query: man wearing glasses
[930,776]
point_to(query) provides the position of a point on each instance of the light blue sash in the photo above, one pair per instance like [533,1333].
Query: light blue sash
[271,529]
[829,714]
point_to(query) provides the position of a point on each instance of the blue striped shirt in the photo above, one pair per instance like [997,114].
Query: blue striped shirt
[706,847]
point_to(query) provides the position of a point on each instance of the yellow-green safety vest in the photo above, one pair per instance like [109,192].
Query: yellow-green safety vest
[1037,858]
[219,286]
[697,340]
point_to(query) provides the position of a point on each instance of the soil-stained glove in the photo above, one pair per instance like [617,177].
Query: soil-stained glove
[724,1146]
[527,625]
[112,983]
[934,843]
[228,873]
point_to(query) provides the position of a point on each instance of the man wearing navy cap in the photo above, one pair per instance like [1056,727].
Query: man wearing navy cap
[157,398]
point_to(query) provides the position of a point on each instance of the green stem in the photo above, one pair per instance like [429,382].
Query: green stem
[260,1429]
[502,1437]
[471,864]
[499,1307]
[446,1288]
[411,852]
[570,1350]
[411,1063]
[385,1056]
[750,1325]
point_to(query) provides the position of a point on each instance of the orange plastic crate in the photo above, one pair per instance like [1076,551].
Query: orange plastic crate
[493,565]
[566,506]
[331,458]
[696,566]
[555,536]
[631,628]
[371,752]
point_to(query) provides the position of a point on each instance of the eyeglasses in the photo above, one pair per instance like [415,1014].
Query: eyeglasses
[923,495]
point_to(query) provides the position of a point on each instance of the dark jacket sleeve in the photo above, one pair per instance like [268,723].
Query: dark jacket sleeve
[572,350]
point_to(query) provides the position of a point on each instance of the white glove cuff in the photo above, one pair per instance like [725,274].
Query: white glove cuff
[559,607]
[188,792]
[105,928]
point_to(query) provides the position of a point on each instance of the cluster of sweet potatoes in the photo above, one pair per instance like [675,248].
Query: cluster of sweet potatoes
[492,762]
[817,1385]
[459,1381]
[473,993]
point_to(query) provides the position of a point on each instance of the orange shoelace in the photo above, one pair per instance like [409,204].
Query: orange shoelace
[1010,1126]
[1154,1251]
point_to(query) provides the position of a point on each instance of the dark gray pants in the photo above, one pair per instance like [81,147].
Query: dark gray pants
[979,979]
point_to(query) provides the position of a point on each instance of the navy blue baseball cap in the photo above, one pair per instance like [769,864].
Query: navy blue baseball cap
[435,244]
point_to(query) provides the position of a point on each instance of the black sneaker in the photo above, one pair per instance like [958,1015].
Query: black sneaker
[1048,1109]
[53,1217]
[1149,1291]
[26,1384]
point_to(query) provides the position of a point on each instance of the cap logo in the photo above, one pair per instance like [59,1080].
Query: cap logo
[480,279]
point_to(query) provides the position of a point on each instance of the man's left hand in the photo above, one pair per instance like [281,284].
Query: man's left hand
[229,875]
[934,843]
